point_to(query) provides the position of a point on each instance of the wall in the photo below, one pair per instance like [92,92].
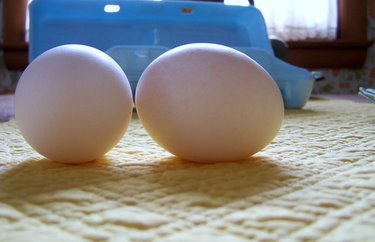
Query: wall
[336,81]
[8,79]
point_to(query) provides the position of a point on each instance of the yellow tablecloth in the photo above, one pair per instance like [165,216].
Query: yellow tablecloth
[314,182]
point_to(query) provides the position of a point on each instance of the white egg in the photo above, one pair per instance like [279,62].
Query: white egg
[209,103]
[73,103]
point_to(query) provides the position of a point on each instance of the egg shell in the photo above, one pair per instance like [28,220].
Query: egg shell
[209,103]
[73,103]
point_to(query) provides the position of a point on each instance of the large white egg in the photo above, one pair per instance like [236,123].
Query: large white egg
[73,103]
[209,103]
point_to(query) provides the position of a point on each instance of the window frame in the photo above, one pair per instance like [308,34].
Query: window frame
[349,50]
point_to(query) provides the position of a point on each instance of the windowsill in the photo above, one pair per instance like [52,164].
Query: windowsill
[328,54]
[308,54]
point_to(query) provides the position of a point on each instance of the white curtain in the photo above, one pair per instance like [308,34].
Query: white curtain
[300,19]
[27,22]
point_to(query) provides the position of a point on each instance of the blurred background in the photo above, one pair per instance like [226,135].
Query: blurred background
[346,58]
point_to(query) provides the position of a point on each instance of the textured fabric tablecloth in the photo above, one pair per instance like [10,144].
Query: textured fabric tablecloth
[314,182]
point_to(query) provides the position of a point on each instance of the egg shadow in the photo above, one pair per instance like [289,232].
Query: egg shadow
[303,113]
[213,184]
[199,184]
[37,176]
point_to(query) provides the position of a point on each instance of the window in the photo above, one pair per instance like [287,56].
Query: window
[305,20]
[348,50]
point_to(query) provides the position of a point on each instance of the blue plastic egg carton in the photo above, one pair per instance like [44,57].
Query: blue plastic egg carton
[135,32]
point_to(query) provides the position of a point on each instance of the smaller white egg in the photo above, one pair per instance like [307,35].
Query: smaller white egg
[73,103]
[209,103]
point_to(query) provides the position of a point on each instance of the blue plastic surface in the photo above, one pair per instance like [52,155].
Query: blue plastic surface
[134,60]
[295,83]
[135,32]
